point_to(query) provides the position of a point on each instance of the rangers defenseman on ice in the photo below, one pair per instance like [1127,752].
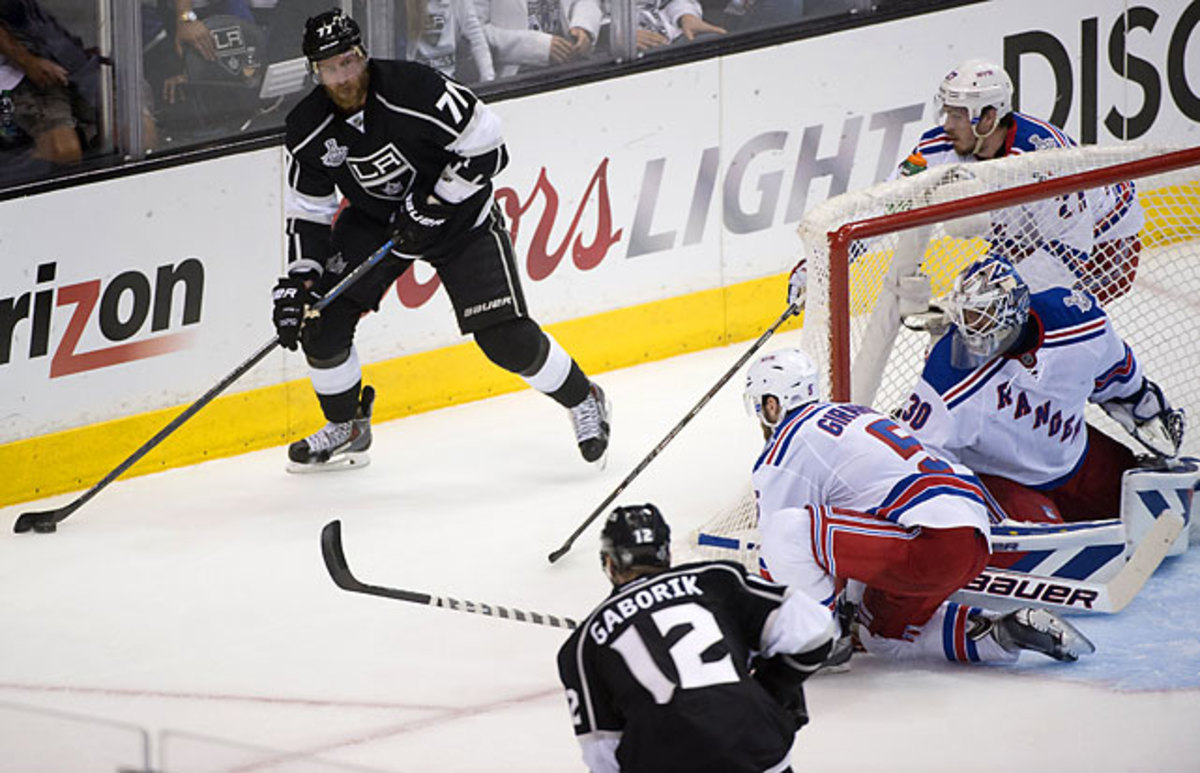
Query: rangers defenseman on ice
[844,493]
[413,154]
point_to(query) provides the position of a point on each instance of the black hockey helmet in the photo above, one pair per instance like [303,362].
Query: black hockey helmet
[329,34]
[636,535]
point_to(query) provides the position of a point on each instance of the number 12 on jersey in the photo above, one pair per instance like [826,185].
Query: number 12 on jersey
[686,653]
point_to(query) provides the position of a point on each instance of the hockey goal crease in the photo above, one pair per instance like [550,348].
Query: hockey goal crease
[876,258]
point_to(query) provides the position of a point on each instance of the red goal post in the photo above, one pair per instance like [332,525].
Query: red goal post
[875,255]
[1183,212]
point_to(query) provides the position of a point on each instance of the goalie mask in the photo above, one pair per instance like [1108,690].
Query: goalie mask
[788,375]
[989,305]
[976,85]
[636,535]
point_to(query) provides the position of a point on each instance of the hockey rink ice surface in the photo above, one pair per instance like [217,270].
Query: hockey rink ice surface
[194,604]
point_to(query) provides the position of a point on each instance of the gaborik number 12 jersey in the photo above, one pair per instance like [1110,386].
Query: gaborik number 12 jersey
[657,677]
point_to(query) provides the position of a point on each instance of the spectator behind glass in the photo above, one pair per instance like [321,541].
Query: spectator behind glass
[204,62]
[662,22]
[54,88]
[528,34]
[181,23]
[431,31]
[744,15]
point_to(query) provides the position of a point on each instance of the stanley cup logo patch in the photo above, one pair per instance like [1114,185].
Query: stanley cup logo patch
[335,154]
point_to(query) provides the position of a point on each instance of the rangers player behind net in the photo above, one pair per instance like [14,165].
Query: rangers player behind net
[1093,235]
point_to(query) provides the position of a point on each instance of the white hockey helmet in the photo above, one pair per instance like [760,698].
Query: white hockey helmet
[989,305]
[976,85]
[788,375]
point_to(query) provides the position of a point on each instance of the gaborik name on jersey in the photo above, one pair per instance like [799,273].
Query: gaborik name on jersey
[617,612]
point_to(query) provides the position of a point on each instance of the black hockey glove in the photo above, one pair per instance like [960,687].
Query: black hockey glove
[419,223]
[783,683]
[292,299]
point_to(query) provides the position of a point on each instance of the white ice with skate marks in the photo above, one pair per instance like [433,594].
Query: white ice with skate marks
[194,603]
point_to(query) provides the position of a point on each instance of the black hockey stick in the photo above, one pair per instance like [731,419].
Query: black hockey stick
[46,521]
[339,570]
[791,310]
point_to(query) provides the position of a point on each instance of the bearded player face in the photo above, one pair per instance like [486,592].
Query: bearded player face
[344,78]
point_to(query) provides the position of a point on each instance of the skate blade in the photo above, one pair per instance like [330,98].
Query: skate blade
[347,461]
[1074,642]
[602,462]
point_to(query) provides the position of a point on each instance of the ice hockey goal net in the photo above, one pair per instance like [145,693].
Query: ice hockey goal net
[865,249]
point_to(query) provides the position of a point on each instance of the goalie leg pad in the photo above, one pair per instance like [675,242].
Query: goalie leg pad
[1147,492]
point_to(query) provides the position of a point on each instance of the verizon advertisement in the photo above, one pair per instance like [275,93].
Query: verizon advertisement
[140,293]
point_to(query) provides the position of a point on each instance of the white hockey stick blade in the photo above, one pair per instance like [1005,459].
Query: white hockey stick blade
[1003,591]
[1147,557]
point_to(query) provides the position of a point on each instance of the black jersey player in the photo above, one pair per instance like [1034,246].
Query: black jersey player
[412,154]
[694,668]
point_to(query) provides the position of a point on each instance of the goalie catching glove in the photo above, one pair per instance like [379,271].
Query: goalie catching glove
[292,298]
[419,223]
[1151,420]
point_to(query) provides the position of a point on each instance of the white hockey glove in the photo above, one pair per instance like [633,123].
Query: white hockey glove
[956,183]
[1151,420]
[919,311]
[798,284]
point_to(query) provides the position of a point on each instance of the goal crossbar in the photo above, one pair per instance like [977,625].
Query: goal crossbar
[841,238]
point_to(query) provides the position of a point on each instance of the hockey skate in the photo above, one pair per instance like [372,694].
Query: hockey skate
[591,419]
[1034,629]
[337,445]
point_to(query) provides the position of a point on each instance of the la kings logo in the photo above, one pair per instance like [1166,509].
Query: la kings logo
[385,174]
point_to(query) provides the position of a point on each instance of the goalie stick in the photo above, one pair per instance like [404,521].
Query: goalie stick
[1002,590]
[790,311]
[46,521]
[339,570]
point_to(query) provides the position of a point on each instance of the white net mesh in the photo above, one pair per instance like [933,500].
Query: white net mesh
[1143,266]
[1134,243]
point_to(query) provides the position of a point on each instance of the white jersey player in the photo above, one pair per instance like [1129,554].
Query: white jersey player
[1004,391]
[1093,234]
[844,493]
